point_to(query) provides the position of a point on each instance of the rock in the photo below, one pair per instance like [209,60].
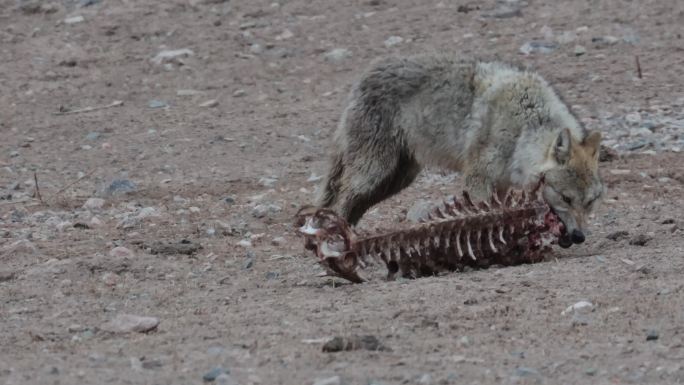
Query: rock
[151,364]
[640,240]
[154,103]
[188,92]
[393,40]
[6,275]
[262,210]
[244,243]
[267,182]
[239,93]
[337,55]
[618,235]
[581,305]
[504,11]
[128,323]
[94,203]
[633,118]
[185,247]
[229,200]
[278,241]
[87,3]
[607,154]
[567,37]
[147,212]
[256,48]
[605,40]
[248,263]
[336,380]
[120,186]
[425,379]
[419,211]
[286,34]
[171,55]
[209,103]
[526,372]
[22,246]
[121,252]
[226,379]
[74,19]
[93,136]
[652,335]
[537,47]
[272,275]
[213,374]
[580,50]
[366,342]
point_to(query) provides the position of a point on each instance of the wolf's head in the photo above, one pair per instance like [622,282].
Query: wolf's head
[573,186]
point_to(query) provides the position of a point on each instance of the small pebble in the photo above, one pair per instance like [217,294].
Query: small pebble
[393,40]
[212,374]
[121,252]
[209,103]
[640,240]
[94,203]
[336,380]
[337,55]
[652,335]
[128,323]
[74,19]
[157,104]
[239,93]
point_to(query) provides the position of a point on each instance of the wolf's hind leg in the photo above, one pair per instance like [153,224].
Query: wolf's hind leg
[367,182]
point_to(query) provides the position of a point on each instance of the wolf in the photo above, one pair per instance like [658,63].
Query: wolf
[497,124]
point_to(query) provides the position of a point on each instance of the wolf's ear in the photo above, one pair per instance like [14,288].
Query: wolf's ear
[561,148]
[592,142]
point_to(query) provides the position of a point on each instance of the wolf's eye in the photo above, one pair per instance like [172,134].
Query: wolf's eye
[566,199]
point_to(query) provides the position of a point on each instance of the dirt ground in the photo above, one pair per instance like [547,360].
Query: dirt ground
[221,144]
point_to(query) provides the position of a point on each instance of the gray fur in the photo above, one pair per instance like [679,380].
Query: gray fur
[495,123]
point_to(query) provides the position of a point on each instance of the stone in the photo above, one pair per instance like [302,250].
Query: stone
[94,203]
[6,275]
[93,136]
[120,186]
[337,55]
[581,305]
[226,379]
[213,374]
[640,240]
[543,47]
[263,210]
[355,342]
[209,103]
[605,40]
[169,55]
[239,93]
[272,275]
[154,103]
[74,19]
[335,380]
[286,34]
[580,50]
[121,252]
[618,235]
[393,40]
[129,323]
[652,335]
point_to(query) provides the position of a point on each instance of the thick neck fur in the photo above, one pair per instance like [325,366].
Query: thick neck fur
[537,115]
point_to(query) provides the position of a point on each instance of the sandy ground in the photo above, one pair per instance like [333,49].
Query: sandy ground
[221,144]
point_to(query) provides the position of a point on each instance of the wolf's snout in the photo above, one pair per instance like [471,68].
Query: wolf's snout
[577,236]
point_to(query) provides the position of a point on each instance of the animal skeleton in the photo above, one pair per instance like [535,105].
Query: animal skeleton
[516,229]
